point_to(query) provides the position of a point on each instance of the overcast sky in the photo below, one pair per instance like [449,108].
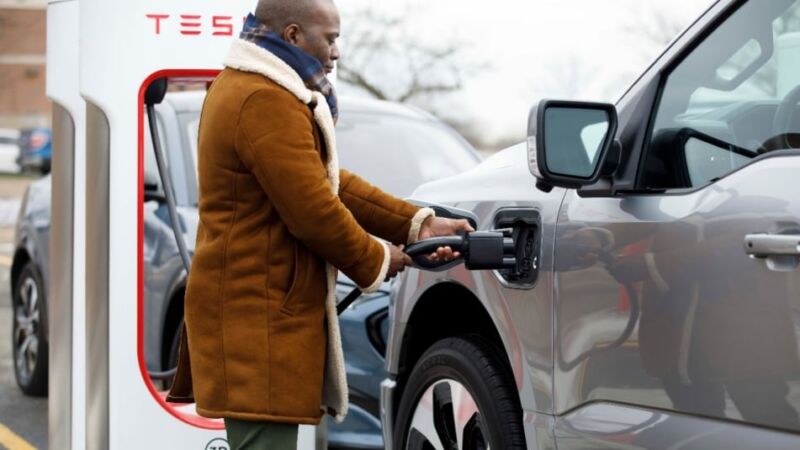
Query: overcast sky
[583,49]
[586,49]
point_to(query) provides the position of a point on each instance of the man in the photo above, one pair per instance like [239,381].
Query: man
[277,219]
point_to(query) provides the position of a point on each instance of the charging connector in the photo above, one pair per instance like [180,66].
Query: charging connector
[480,250]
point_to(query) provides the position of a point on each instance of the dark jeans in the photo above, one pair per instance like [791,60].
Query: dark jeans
[245,435]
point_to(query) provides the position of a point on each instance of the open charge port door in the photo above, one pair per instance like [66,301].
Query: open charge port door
[526,230]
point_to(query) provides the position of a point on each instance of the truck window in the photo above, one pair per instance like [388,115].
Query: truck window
[733,98]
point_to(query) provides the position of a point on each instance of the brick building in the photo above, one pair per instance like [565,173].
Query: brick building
[23,101]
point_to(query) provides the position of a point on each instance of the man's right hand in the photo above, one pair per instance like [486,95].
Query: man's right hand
[398,261]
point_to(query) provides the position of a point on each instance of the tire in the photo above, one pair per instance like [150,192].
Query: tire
[465,374]
[28,336]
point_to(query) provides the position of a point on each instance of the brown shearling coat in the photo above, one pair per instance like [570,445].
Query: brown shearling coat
[277,218]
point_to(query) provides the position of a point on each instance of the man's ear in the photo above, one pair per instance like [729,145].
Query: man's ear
[291,34]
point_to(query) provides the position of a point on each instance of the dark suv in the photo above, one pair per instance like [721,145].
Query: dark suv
[654,300]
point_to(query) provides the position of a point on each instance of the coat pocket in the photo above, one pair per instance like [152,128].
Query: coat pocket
[299,277]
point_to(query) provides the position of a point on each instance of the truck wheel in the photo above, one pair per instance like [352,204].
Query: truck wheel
[28,336]
[460,396]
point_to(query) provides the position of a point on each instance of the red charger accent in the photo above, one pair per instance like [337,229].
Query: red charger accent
[193,420]
[157,18]
[191,21]
[223,25]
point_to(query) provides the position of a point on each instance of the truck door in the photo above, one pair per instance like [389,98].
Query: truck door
[678,301]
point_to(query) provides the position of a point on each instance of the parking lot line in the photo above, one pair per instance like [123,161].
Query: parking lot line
[11,441]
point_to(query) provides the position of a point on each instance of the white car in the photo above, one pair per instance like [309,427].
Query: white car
[9,150]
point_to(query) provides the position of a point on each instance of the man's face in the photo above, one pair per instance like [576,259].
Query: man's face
[318,35]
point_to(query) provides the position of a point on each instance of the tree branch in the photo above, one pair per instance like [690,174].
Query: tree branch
[391,63]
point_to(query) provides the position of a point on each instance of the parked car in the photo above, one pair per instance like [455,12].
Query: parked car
[29,274]
[655,301]
[393,146]
[9,150]
[35,150]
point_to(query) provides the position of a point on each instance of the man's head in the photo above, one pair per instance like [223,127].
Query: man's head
[311,25]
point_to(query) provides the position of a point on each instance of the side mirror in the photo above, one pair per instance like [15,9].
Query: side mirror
[152,189]
[568,142]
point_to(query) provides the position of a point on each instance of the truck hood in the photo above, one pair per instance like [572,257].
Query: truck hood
[504,175]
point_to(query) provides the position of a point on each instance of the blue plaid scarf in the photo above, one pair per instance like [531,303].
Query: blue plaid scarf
[309,68]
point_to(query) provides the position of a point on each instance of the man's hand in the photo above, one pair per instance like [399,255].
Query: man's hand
[398,261]
[439,226]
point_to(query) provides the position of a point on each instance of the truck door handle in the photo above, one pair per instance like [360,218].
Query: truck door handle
[766,245]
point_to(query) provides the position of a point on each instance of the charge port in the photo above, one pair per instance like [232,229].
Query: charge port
[525,225]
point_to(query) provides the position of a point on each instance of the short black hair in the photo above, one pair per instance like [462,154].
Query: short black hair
[278,14]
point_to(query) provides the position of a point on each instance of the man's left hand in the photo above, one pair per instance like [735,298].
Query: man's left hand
[439,226]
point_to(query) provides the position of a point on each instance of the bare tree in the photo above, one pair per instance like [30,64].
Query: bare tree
[654,27]
[385,59]
[568,77]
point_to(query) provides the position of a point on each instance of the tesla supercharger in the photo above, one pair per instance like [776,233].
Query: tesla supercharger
[101,56]
[66,290]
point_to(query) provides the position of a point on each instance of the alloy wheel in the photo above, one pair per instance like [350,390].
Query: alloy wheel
[447,418]
[26,327]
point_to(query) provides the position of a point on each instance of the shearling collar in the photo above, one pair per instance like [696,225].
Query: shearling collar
[248,57]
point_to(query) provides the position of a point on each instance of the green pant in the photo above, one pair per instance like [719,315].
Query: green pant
[245,435]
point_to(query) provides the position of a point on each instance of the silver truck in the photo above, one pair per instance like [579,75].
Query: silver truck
[654,299]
